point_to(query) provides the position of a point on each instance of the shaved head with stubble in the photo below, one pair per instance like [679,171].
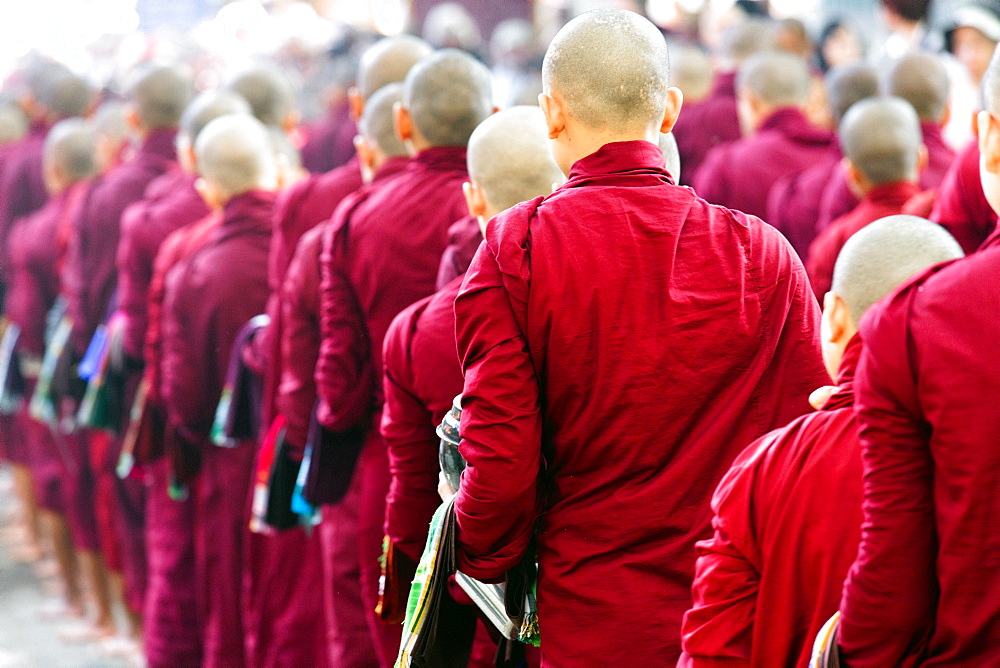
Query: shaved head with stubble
[881,138]
[848,85]
[269,94]
[389,61]
[159,96]
[376,123]
[236,154]
[922,80]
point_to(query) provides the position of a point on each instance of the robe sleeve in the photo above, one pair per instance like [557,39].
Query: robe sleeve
[821,260]
[889,598]
[501,426]
[344,376]
[135,268]
[718,629]
[408,430]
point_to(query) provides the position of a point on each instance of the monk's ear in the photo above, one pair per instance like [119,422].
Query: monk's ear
[132,118]
[840,324]
[475,199]
[355,102]
[675,99]
[403,122]
[989,142]
[923,157]
[555,115]
[856,181]
[366,156]
[211,195]
[291,121]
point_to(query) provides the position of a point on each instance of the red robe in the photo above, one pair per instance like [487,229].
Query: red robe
[739,175]
[884,200]
[794,201]
[171,630]
[772,573]
[961,207]
[90,278]
[924,577]
[838,200]
[706,124]
[170,203]
[464,237]
[719,346]
[330,140]
[383,254]
[22,185]
[208,298]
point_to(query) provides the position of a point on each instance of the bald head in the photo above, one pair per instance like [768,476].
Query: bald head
[69,151]
[269,93]
[376,122]
[881,256]
[744,39]
[111,121]
[881,137]
[776,78]
[991,85]
[448,95]
[236,154]
[921,80]
[13,123]
[611,68]
[389,61]
[66,95]
[159,96]
[848,85]
[691,71]
[207,107]
[509,157]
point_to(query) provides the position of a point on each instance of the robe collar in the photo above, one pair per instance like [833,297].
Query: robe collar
[724,85]
[392,166]
[250,212]
[844,396]
[618,164]
[39,127]
[441,158]
[992,241]
[792,123]
[931,132]
[896,193]
[160,143]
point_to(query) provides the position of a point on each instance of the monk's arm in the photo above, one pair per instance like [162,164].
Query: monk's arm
[501,427]
[408,430]
[299,352]
[344,381]
[888,602]
[718,629]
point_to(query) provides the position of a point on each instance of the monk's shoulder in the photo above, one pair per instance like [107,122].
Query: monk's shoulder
[399,338]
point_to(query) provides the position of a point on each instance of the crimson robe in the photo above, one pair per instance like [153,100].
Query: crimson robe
[883,200]
[383,254]
[838,200]
[90,276]
[170,203]
[464,237]
[208,298]
[171,629]
[662,335]
[772,573]
[740,175]
[706,124]
[22,185]
[793,205]
[924,587]
[330,140]
[961,207]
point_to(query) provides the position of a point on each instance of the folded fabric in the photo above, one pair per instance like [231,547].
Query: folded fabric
[274,484]
[826,651]
[331,461]
[398,570]
[12,385]
[44,403]
[143,442]
[237,417]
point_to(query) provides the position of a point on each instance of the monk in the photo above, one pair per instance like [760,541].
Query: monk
[715,119]
[348,638]
[773,90]
[921,589]
[36,245]
[208,298]
[961,206]
[270,96]
[794,201]
[592,304]
[381,259]
[921,80]
[112,135]
[509,163]
[883,157]
[772,573]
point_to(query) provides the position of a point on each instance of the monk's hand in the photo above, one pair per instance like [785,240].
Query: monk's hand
[445,490]
[819,397]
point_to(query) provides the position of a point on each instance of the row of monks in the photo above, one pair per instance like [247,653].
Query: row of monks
[711,433]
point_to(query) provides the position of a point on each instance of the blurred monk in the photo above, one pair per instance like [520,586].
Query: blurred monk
[614,338]
[773,572]
[383,256]
[773,90]
[883,156]
[961,206]
[922,589]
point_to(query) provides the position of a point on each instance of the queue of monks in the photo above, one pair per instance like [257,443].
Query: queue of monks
[723,362]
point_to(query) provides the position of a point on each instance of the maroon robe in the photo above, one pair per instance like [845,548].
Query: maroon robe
[649,394]
[330,140]
[464,237]
[883,200]
[924,586]
[170,203]
[961,207]
[772,573]
[793,205]
[90,278]
[739,175]
[383,254]
[22,185]
[208,298]
[705,124]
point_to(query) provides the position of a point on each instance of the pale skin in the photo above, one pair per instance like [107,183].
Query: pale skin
[861,185]
[837,328]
